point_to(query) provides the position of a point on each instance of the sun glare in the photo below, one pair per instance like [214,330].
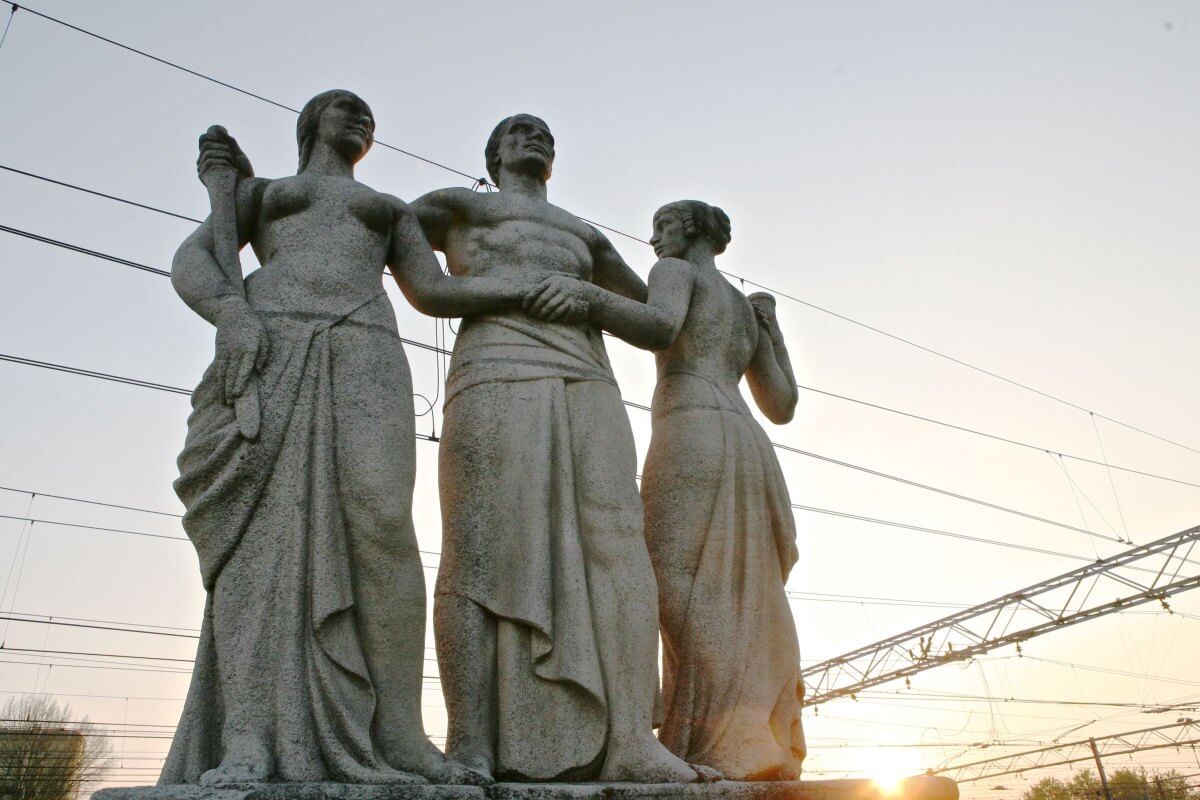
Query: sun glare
[890,769]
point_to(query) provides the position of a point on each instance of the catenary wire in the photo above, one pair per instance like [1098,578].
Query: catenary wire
[485,183]
[846,464]
[446,352]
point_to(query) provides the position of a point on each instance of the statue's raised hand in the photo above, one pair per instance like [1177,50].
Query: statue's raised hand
[242,347]
[219,150]
[559,298]
[763,304]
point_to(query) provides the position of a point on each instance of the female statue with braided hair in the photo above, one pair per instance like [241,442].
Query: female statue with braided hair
[309,666]
[718,518]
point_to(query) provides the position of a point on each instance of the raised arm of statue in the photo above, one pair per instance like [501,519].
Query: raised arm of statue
[772,382]
[420,277]
[199,279]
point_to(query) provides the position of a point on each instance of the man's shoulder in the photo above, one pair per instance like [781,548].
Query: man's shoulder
[450,198]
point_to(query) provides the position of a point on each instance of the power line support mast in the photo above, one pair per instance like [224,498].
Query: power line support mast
[1139,575]
[1100,769]
[1177,734]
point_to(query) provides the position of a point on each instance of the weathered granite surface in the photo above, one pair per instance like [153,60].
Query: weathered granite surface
[545,611]
[299,496]
[919,788]
[718,517]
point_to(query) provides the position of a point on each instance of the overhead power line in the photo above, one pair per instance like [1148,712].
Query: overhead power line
[1179,734]
[447,352]
[1050,605]
[179,390]
[105,195]
[484,182]
[777,445]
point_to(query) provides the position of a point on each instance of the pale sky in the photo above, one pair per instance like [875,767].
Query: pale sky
[1014,184]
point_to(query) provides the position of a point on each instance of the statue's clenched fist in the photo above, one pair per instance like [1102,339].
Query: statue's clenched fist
[219,150]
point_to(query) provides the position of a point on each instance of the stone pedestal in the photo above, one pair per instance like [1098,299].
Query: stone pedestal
[919,788]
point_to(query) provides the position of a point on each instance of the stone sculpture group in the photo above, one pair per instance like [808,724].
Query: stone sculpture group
[556,573]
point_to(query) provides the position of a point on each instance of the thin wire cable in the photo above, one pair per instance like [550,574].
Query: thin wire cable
[91,502]
[84,250]
[484,182]
[1111,484]
[97,193]
[12,13]
[796,450]
[788,448]
[438,348]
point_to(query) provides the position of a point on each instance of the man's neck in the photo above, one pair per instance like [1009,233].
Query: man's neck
[523,183]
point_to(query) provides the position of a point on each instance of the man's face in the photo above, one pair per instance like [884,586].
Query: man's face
[527,146]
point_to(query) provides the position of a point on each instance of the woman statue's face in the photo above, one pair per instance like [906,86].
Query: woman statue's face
[348,126]
[669,240]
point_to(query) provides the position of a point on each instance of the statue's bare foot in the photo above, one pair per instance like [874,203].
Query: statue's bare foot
[706,774]
[252,764]
[438,768]
[646,761]
[466,772]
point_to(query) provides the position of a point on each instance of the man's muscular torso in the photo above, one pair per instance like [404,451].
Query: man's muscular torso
[507,234]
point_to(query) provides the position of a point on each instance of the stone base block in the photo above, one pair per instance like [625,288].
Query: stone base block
[919,788]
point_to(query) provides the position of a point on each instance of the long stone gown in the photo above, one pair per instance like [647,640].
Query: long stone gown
[722,539]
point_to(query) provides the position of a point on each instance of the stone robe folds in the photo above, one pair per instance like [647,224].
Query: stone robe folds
[536,452]
[268,528]
[722,538]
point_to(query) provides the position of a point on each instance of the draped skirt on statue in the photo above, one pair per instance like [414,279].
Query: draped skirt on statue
[722,539]
[268,526]
[536,453]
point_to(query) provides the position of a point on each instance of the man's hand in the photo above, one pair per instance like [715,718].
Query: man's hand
[559,298]
[219,150]
[242,349]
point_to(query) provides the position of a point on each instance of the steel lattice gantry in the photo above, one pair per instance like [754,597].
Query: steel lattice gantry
[1153,571]
[1178,734]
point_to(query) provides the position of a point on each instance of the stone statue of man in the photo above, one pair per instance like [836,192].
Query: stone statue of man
[545,610]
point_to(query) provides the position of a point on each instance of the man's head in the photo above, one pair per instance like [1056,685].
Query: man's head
[522,143]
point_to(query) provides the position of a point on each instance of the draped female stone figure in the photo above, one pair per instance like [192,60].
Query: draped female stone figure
[312,645]
[718,518]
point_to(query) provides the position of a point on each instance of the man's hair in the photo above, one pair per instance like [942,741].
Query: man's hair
[310,120]
[701,219]
[491,152]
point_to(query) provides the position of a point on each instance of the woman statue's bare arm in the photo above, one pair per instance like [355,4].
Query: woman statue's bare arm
[772,382]
[431,291]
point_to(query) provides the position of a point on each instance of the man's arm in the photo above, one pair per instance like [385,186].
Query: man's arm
[652,325]
[438,210]
[609,270]
[432,292]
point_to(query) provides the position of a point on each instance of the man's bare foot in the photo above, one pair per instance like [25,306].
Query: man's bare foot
[646,761]
[706,774]
[435,766]
[253,765]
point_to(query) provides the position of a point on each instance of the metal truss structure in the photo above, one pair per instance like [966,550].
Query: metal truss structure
[1183,733]
[1150,572]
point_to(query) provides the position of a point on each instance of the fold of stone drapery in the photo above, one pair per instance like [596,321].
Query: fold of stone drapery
[268,529]
[513,536]
[732,684]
